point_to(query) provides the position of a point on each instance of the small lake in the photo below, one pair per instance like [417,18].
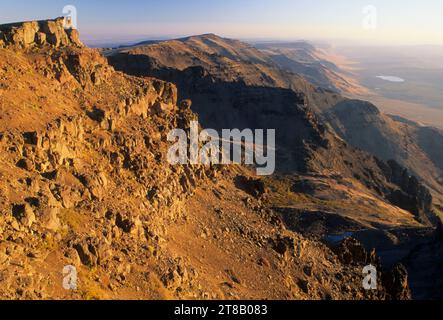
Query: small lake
[391,79]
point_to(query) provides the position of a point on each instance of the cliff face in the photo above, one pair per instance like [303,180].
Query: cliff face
[362,125]
[38,33]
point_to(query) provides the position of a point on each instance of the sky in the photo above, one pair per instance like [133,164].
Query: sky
[392,22]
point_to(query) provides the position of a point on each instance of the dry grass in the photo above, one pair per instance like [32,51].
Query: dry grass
[74,219]
[159,289]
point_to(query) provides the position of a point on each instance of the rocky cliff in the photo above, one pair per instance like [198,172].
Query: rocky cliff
[407,144]
[83,161]
[38,33]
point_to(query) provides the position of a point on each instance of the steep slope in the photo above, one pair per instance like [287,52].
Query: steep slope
[415,147]
[86,184]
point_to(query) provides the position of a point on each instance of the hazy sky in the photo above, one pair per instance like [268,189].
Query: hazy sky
[398,21]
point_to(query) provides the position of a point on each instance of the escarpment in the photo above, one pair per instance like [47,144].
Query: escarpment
[336,176]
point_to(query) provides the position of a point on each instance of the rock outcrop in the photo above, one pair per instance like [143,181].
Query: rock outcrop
[350,251]
[412,195]
[86,168]
[394,283]
[255,187]
[39,33]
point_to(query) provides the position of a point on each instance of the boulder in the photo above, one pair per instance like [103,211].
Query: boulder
[24,214]
[351,251]
[25,164]
[26,34]
[93,252]
[50,219]
[131,225]
[283,245]
[254,187]
[161,108]
[396,283]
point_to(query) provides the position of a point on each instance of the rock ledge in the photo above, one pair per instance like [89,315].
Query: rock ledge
[39,33]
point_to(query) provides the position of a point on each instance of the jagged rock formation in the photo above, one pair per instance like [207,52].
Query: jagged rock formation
[395,283]
[412,196]
[38,33]
[350,251]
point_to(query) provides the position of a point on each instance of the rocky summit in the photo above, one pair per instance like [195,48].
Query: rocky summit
[55,32]
[86,185]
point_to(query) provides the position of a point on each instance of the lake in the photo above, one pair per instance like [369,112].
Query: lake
[391,78]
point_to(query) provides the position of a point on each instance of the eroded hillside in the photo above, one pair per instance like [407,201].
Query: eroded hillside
[389,138]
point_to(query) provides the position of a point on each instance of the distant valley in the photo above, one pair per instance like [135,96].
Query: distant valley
[403,81]
[417,90]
